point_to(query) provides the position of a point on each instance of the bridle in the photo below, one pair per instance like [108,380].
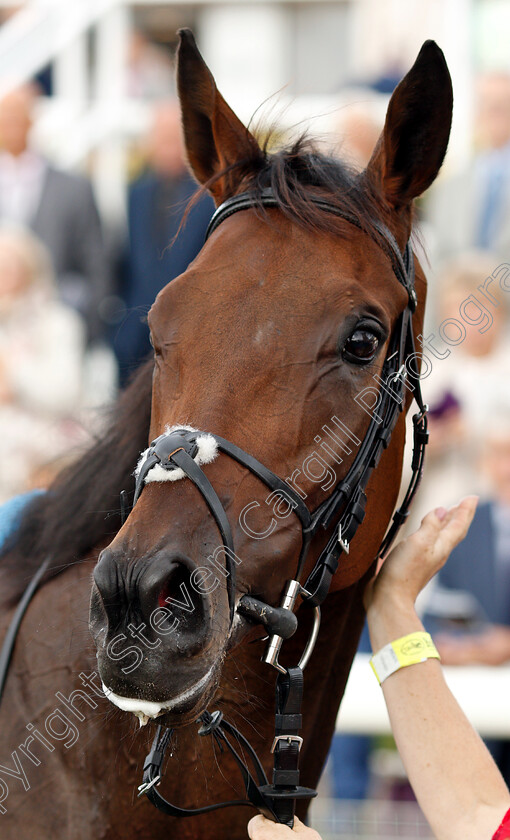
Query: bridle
[344,509]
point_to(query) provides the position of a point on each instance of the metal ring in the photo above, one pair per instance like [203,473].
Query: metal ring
[303,662]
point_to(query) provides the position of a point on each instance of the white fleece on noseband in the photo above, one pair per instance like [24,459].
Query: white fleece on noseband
[207,452]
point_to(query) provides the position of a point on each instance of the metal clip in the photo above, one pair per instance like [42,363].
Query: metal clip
[418,417]
[147,786]
[294,589]
[289,739]
[400,374]
[275,642]
[345,545]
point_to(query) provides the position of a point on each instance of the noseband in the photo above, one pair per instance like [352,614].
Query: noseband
[344,511]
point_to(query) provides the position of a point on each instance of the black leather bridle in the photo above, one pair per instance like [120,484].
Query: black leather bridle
[344,510]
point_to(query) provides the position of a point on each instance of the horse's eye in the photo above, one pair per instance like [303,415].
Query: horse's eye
[361,347]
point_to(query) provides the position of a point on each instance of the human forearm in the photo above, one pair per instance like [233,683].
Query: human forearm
[455,780]
[453,775]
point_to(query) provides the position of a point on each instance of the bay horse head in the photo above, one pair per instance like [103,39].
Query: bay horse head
[274,339]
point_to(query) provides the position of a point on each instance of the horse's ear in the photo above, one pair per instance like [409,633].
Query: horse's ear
[215,139]
[412,146]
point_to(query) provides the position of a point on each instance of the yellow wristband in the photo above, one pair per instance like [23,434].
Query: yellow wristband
[409,650]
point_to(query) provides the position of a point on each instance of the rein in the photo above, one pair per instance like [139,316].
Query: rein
[344,509]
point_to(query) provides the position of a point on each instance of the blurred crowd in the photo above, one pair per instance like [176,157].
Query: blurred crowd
[72,308]
[68,303]
[464,222]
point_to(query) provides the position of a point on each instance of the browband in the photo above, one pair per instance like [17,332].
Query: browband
[387,242]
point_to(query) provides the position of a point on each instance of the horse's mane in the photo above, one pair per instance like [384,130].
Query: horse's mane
[81,509]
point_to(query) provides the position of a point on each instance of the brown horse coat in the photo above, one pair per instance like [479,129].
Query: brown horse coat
[248,344]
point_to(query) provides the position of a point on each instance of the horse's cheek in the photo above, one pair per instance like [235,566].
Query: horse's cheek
[351,572]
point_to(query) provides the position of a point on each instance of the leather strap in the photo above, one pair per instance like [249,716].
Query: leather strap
[346,506]
[269,478]
[266,198]
[12,630]
[276,801]
[200,480]
[219,728]
[287,742]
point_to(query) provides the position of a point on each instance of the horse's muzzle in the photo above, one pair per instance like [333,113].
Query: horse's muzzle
[152,621]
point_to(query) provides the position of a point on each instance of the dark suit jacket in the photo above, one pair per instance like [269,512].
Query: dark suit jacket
[472,568]
[67,222]
[152,259]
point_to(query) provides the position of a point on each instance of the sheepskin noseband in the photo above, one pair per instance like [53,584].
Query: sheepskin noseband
[204,449]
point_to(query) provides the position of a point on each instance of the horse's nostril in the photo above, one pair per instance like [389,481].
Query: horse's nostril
[106,577]
[176,587]
[156,594]
[175,608]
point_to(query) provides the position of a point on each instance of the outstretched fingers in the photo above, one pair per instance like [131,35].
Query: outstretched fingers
[443,529]
[455,524]
[415,560]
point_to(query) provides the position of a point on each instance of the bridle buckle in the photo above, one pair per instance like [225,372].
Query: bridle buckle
[289,739]
[345,545]
[143,788]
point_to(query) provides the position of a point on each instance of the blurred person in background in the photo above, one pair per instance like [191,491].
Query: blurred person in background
[150,69]
[60,209]
[358,128]
[349,755]
[159,249]
[472,209]
[42,344]
[480,568]
[465,391]
[465,388]
[468,606]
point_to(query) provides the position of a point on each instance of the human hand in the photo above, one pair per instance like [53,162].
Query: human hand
[260,828]
[491,647]
[415,560]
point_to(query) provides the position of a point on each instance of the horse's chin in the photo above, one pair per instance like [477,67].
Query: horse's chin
[176,711]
